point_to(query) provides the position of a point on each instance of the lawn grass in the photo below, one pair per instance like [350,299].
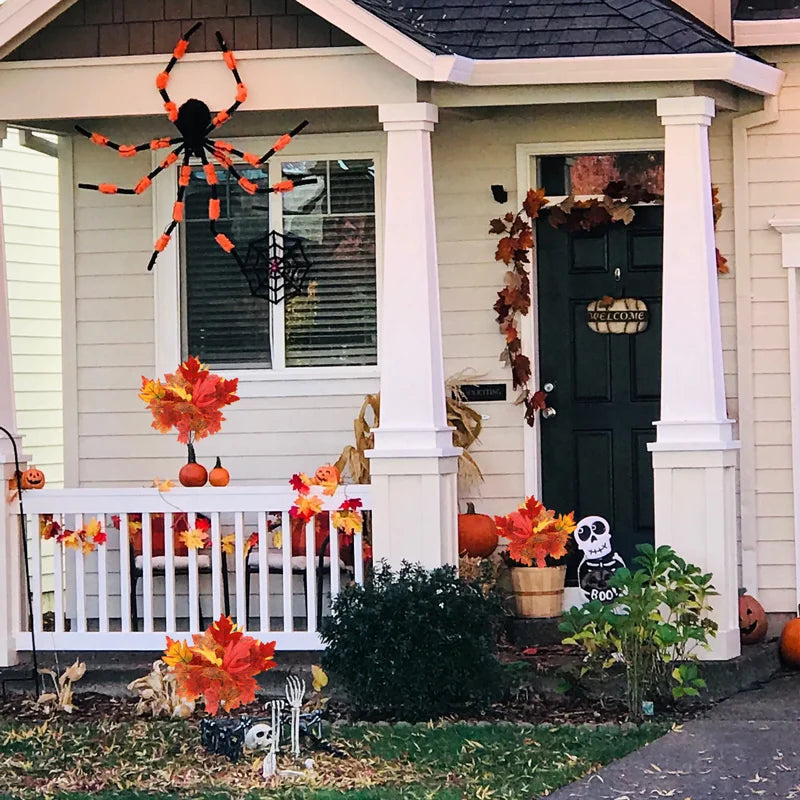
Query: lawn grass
[156,760]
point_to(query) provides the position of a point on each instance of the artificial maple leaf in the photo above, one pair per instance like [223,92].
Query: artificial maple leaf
[534,201]
[305,507]
[70,539]
[163,486]
[525,240]
[93,529]
[300,483]
[497,226]
[178,652]
[722,264]
[520,370]
[194,538]
[621,212]
[505,250]
[606,301]
[539,400]
[351,522]
[512,279]
[516,299]
[229,544]
[511,334]
[534,534]
[557,217]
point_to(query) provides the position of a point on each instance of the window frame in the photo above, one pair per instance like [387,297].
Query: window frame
[168,292]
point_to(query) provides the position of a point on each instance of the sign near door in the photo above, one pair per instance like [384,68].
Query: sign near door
[626,315]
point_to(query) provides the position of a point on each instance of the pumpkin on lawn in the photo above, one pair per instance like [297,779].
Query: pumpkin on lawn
[790,643]
[477,534]
[752,620]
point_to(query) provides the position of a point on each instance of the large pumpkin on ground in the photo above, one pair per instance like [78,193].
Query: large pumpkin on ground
[790,643]
[477,534]
[752,620]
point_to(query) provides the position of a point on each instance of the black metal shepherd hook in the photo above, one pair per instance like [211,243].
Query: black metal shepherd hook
[24,533]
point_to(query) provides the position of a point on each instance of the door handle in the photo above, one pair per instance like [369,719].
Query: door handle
[548,413]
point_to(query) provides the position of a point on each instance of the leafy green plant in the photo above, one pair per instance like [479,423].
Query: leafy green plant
[654,632]
[414,644]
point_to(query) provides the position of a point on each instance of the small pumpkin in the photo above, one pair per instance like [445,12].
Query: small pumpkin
[790,643]
[327,474]
[752,620]
[32,478]
[192,473]
[219,476]
[477,534]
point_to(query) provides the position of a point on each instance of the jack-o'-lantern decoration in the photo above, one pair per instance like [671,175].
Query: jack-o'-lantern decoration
[752,620]
[625,315]
[790,643]
[477,534]
[32,478]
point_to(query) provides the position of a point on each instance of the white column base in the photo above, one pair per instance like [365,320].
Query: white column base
[695,514]
[415,509]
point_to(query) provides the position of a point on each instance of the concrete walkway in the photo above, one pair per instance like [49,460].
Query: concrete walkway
[746,747]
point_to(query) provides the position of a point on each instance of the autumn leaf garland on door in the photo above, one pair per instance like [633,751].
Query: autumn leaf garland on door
[514,299]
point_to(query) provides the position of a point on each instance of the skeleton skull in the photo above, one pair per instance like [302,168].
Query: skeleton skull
[593,537]
[259,737]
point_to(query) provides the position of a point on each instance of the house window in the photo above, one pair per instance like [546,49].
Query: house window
[335,323]
[589,174]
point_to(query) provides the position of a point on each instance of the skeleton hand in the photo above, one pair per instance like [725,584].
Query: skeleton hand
[295,692]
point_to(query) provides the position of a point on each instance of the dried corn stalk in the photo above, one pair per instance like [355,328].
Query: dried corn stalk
[466,421]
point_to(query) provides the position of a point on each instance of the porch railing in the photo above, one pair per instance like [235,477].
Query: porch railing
[138,586]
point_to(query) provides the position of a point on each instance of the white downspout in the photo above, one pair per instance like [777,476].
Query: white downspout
[744,341]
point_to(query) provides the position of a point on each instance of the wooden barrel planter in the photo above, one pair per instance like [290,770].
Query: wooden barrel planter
[538,591]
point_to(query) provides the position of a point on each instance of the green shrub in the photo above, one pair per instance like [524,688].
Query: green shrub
[655,630]
[414,644]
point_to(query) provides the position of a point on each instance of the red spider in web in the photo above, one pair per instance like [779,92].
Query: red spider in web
[194,123]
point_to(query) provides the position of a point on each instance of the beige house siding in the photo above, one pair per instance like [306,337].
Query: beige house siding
[29,185]
[774,171]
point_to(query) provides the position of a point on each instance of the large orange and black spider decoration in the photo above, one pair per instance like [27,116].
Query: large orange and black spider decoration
[194,123]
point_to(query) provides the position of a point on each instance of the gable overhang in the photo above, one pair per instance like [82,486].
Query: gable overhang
[20,19]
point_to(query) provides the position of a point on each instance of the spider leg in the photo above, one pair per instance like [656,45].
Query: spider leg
[144,183]
[128,150]
[254,188]
[213,210]
[251,158]
[177,212]
[163,77]
[241,90]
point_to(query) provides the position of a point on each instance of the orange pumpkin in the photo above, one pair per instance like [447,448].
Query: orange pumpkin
[477,534]
[790,643]
[219,476]
[327,474]
[32,478]
[752,620]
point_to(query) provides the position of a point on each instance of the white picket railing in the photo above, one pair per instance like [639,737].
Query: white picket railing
[131,592]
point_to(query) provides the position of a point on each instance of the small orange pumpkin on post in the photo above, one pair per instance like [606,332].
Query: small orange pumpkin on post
[477,533]
[32,478]
[192,473]
[219,476]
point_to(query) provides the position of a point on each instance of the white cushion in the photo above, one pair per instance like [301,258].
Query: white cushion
[298,563]
[181,562]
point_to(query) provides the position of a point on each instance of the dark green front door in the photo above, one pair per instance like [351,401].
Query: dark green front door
[607,386]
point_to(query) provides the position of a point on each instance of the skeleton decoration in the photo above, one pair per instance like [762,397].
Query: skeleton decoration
[600,561]
[295,692]
[225,736]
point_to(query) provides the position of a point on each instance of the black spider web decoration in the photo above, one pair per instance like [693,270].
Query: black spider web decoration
[276,267]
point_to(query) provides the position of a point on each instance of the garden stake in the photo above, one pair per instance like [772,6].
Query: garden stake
[23,527]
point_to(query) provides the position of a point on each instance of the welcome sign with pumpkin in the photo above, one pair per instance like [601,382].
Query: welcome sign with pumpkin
[625,315]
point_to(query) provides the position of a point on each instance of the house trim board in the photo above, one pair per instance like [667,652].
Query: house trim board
[765,32]
[532,466]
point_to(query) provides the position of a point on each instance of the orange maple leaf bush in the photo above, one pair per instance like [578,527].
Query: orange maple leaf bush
[535,533]
[220,667]
[190,400]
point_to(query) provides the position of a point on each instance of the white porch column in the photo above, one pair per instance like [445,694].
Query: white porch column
[10,564]
[790,259]
[694,457]
[413,463]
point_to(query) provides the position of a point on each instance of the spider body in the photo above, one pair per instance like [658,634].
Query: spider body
[195,123]
[194,119]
